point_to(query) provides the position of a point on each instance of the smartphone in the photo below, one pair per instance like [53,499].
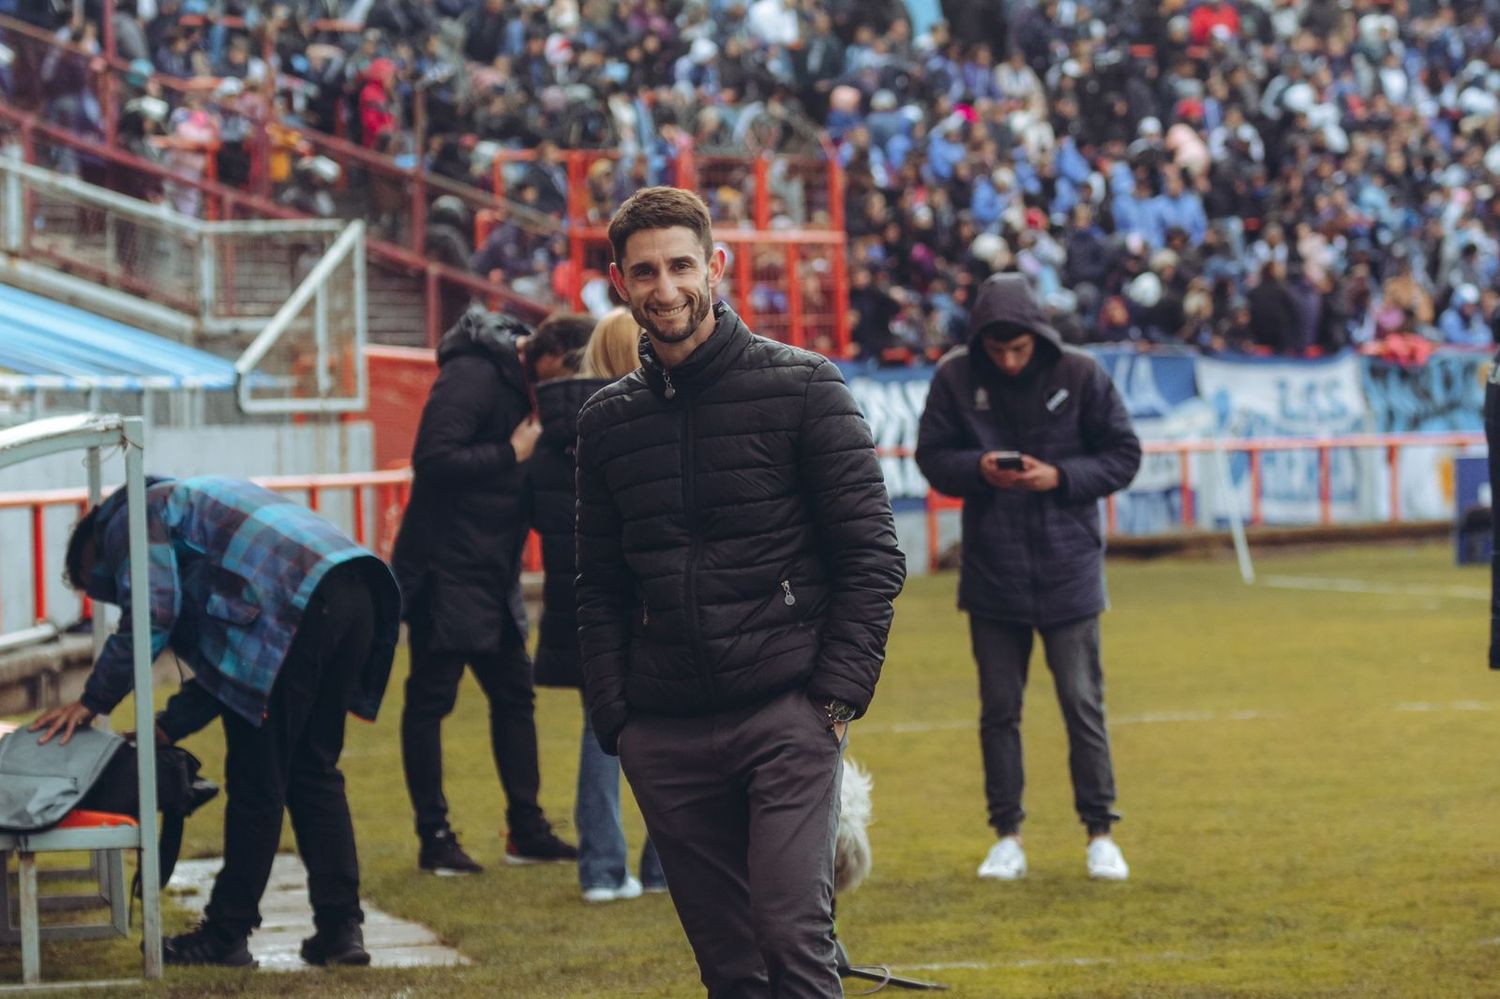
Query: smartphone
[1009,461]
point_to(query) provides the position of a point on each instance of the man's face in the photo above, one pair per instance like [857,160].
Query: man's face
[667,283]
[1010,356]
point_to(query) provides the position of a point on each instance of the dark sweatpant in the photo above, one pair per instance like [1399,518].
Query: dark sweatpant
[1003,652]
[291,761]
[743,806]
[432,690]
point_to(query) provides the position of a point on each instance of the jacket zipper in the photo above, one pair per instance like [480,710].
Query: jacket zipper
[666,377]
[786,587]
[690,581]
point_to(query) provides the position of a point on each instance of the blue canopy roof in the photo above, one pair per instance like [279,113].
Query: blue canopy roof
[45,344]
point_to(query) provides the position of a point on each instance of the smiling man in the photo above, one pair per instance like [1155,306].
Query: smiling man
[737,561]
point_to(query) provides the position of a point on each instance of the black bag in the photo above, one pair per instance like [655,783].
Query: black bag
[180,791]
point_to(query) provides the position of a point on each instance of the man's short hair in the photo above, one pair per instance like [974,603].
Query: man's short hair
[660,208]
[564,334]
[78,543]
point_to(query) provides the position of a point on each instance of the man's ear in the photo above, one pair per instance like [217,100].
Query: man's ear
[718,261]
[618,281]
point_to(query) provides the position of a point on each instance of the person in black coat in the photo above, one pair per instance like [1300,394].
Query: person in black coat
[458,560]
[610,354]
[1031,434]
[737,563]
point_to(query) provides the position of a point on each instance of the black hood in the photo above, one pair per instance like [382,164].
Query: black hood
[1007,300]
[489,335]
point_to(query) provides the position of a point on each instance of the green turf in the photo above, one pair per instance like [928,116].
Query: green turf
[1308,781]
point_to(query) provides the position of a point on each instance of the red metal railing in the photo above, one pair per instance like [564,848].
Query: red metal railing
[1390,444]
[388,492]
[227,203]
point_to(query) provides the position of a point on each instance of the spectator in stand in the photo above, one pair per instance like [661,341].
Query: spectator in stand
[1462,324]
[1368,123]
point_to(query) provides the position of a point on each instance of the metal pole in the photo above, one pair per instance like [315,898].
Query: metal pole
[96,492]
[145,719]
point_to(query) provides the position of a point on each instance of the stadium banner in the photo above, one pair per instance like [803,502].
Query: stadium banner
[892,400]
[1262,397]
[1161,393]
[1446,393]
[1181,397]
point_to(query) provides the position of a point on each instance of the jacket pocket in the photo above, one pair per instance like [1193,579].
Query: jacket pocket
[231,609]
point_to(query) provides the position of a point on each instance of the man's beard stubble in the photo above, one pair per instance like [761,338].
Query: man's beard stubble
[698,312]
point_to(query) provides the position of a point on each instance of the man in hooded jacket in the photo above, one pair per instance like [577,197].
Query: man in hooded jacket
[1031,434]
[458,560]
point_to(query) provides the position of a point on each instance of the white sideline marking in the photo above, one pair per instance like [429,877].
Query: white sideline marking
[1385,589]
[392,942]
[1060,962]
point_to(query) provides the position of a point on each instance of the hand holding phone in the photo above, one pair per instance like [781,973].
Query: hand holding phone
[1000,468]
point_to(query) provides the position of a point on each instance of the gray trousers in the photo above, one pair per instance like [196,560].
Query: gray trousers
[743,806]
[1003,651]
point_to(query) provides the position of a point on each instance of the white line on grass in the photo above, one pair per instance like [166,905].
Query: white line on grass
[1381,589]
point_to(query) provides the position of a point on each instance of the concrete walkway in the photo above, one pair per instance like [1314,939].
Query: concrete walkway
[287,919]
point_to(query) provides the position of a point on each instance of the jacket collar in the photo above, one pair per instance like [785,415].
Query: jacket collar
[704,365]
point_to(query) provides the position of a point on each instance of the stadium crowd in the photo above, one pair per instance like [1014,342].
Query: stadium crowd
[1288,177]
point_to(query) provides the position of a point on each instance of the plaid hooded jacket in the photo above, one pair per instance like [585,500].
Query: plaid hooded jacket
[232,567]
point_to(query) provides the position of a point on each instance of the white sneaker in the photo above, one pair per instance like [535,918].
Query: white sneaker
[1106,862]
[1006,861]
[629,888]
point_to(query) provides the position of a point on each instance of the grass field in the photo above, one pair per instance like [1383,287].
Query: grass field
[1308,778]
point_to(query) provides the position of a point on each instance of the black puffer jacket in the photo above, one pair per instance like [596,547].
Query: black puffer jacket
[457,556]
[735,538]
[1034,558]
[552,477]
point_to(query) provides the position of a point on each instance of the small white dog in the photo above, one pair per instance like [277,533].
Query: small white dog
[851,856]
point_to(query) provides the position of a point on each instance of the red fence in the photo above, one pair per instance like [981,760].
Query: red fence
[1390,444]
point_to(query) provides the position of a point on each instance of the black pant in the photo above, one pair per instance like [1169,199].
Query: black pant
[291,761]
[1003,651]
[743,806]
[432,689]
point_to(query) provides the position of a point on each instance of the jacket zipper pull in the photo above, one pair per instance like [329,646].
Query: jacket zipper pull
[666,376]
[645,616]
[786,587]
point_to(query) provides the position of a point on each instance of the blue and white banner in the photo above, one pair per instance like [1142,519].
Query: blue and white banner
[1181,397]
[1256,398]
[1161,393]
[1446,393]
[892,400]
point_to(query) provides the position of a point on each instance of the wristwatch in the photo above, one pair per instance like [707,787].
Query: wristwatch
[839,711]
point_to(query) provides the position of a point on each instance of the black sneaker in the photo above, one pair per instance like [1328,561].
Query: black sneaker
[343,944]
[208,944]
[541,847]
[442,855]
